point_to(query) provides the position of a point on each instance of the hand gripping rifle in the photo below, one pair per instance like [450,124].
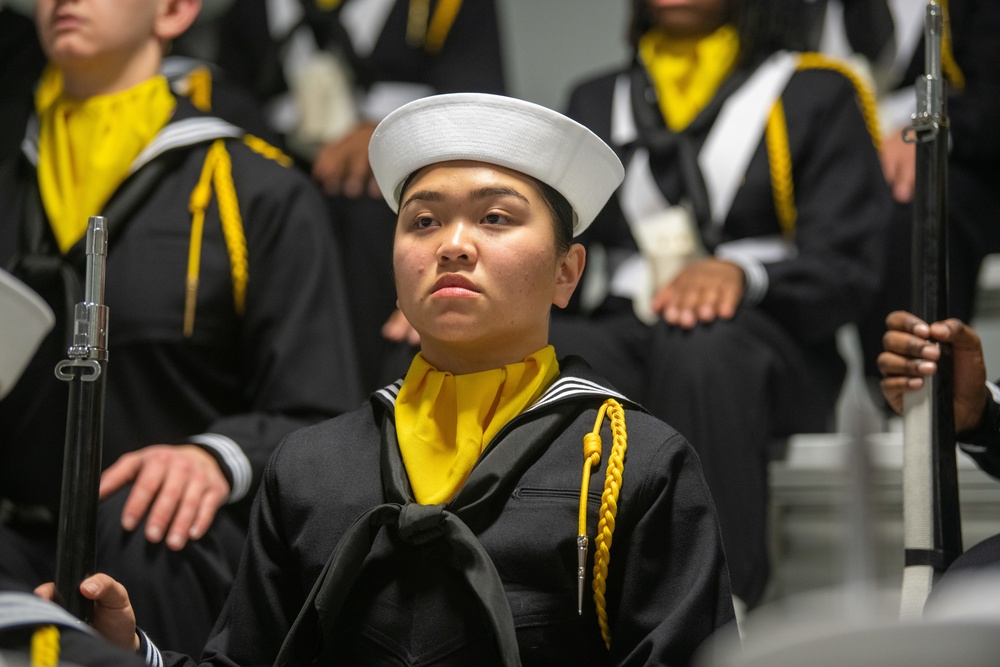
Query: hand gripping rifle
[932,528]
[85,370]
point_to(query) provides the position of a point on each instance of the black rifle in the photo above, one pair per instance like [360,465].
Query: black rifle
[930,469]
[85,370]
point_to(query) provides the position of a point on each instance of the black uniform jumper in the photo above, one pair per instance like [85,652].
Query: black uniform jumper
[425,595]
[241,378]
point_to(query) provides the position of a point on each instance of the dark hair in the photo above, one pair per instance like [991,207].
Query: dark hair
[562,215]
[562,212]
[764,26]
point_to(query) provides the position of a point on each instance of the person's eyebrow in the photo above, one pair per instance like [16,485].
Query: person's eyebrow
[479,193]
[497,191]
[423,195]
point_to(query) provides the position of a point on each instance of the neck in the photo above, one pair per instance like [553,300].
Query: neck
[475,358]
[83,80]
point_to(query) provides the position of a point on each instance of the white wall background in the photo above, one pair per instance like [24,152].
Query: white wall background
[549,44]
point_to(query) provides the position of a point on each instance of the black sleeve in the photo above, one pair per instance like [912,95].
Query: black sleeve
[983,445]
[843,206]
[266,594]
[470,60]
[653,624]
[295,340]
[975,134]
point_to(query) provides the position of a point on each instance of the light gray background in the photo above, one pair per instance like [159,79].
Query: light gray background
[549,44]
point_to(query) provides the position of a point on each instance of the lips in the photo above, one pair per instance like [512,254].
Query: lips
[65,19]
[454,285]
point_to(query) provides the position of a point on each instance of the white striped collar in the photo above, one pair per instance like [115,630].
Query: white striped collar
[565,387]
[19,609]
[29,145]
[389,393]
[185,132]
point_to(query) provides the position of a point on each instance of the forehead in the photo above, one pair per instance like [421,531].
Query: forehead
[469,174]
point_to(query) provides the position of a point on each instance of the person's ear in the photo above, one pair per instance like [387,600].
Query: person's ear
[175,17]
[568,274]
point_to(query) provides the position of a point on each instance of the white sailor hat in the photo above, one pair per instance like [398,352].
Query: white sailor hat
[504,131]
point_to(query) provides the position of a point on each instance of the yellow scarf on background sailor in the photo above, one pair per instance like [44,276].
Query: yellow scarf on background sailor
[445,421]
[687,72]
[86,147]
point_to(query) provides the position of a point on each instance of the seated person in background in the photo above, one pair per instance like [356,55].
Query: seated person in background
[971,68]
[325,72]
[748,229]
[446,523]
[911,353]
[227,318]
[21,61]
[33,631]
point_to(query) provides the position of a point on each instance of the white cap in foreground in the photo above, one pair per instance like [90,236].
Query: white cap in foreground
[25,319]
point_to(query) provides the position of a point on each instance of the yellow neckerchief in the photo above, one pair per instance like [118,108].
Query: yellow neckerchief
[86,147]
[444,421]
[687,72]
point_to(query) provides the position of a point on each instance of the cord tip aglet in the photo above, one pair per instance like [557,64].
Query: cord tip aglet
[581,571]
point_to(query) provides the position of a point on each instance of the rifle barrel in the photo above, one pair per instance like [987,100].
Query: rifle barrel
[84,370]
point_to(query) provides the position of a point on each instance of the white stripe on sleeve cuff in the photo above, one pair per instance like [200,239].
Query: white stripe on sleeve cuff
[757,280]
[148,650]
[233,458]
[994,391]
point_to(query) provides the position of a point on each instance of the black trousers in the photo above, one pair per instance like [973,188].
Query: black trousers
[730,387]
[176,595]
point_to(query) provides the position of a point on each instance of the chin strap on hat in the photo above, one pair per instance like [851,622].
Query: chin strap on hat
[608,511]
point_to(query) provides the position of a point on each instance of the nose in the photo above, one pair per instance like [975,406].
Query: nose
[458,245]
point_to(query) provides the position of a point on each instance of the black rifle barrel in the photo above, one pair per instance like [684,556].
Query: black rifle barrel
[929,133]
[85,371]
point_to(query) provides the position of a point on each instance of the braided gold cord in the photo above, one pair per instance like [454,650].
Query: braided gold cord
[440,25]
[779,158]
[216,171]
[608,511]
[269,151]
[199,88]
[200,197]
[232,224]
[416,22]
[45,647]
[779,154]
[864,92]
[949,66]
[591,457]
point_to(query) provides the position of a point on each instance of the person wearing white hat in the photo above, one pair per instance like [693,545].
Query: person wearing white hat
[446,522]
